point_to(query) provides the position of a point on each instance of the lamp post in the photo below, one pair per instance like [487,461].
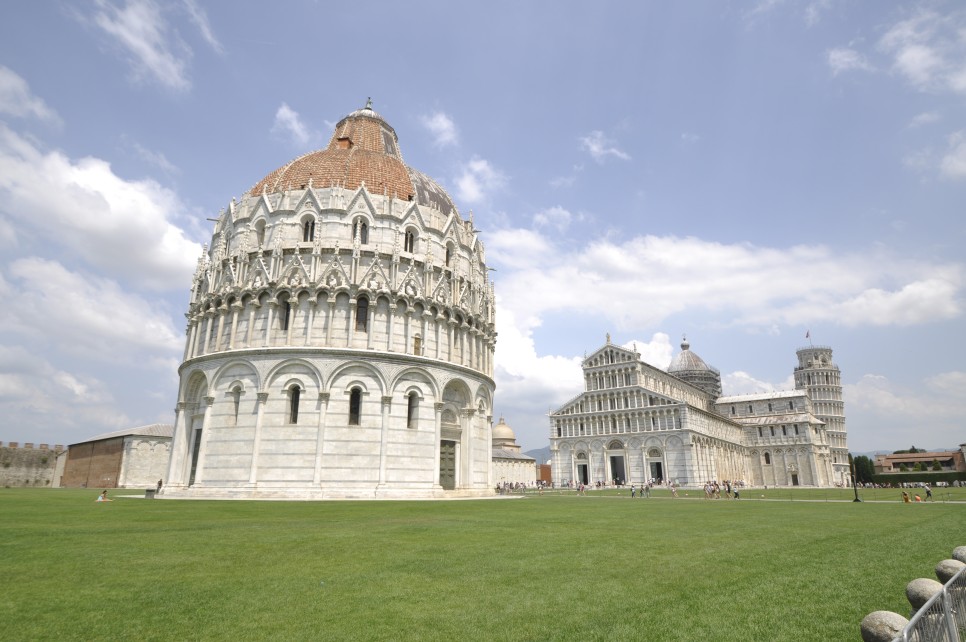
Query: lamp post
[855,488]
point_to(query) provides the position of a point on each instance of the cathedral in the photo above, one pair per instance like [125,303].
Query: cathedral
[635,422]
[340,336]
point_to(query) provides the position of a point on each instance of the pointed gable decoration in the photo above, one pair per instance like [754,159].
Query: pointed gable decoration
[375,279]
[361,202]
[442,292]
[413,216]
[310,200]
[263,207]
[411,282]
[335,275]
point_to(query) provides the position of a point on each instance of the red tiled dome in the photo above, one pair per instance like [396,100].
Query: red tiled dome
[363,149]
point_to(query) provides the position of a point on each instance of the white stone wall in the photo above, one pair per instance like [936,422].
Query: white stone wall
[514,470]
[144,461]
[260,450]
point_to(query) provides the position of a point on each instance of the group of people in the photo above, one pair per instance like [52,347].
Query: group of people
[645,490]
[712,490]
[918,498]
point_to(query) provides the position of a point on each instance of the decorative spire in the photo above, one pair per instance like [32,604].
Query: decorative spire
[369,103]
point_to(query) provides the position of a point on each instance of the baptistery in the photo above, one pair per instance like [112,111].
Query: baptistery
[340,336]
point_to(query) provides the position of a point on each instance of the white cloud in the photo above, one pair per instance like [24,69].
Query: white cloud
[754,287]
[886,414]
[929,50]
[924,118]
[556,217]
[600,147]
[157,159]
[740,382]
[155,51]
[813,12]
[477,180]
[17,100]
[24,403]
[86,315]
[442,128]
[122,227]
[953,164]
[200,19]
[288,125]
[690,138]
[657,351]
[843,59]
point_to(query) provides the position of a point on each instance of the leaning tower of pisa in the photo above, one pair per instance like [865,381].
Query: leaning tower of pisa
[818,375]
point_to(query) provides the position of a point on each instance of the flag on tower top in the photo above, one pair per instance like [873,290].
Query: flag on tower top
[808,334]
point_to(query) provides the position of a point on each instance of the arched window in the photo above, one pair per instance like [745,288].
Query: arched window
[293,413]
[308,230]
[284,314]
[260,233]
[411,408]
[355,406]
[410,242]
[360,230]
[449,253]
[236,403]
[768,459]
[362,314]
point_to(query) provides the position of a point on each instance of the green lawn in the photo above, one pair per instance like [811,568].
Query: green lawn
[545,567]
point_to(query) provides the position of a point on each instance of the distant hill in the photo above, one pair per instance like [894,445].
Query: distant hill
[542,455]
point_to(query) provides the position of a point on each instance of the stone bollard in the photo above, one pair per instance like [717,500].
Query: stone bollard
[919,591]
[947,568]
[959,553]
[882,626]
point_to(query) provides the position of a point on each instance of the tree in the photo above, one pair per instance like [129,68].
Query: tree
[903,468]
[864,469]
[911,451]
[936,465]
[918,467]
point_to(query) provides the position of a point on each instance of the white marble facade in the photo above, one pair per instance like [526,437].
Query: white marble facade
[340,336]
[635,422]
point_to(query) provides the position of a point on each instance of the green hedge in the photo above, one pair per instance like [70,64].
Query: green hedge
[914,478]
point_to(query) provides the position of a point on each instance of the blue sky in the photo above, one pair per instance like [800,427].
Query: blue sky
[739,172]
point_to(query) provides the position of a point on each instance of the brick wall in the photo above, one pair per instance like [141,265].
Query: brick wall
[94,464]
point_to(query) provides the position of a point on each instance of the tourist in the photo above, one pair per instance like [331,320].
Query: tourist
[160,483]
[632,491]
[929,493]
[905,497]
[737,493]
[103,497]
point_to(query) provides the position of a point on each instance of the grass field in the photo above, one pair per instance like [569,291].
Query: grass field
[551,567]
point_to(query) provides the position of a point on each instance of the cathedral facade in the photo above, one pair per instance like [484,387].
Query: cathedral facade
[340,336]
[635,422]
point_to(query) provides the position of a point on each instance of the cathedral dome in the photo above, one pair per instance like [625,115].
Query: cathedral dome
[687,366]
[687,361]
[364,149]
[503,432]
